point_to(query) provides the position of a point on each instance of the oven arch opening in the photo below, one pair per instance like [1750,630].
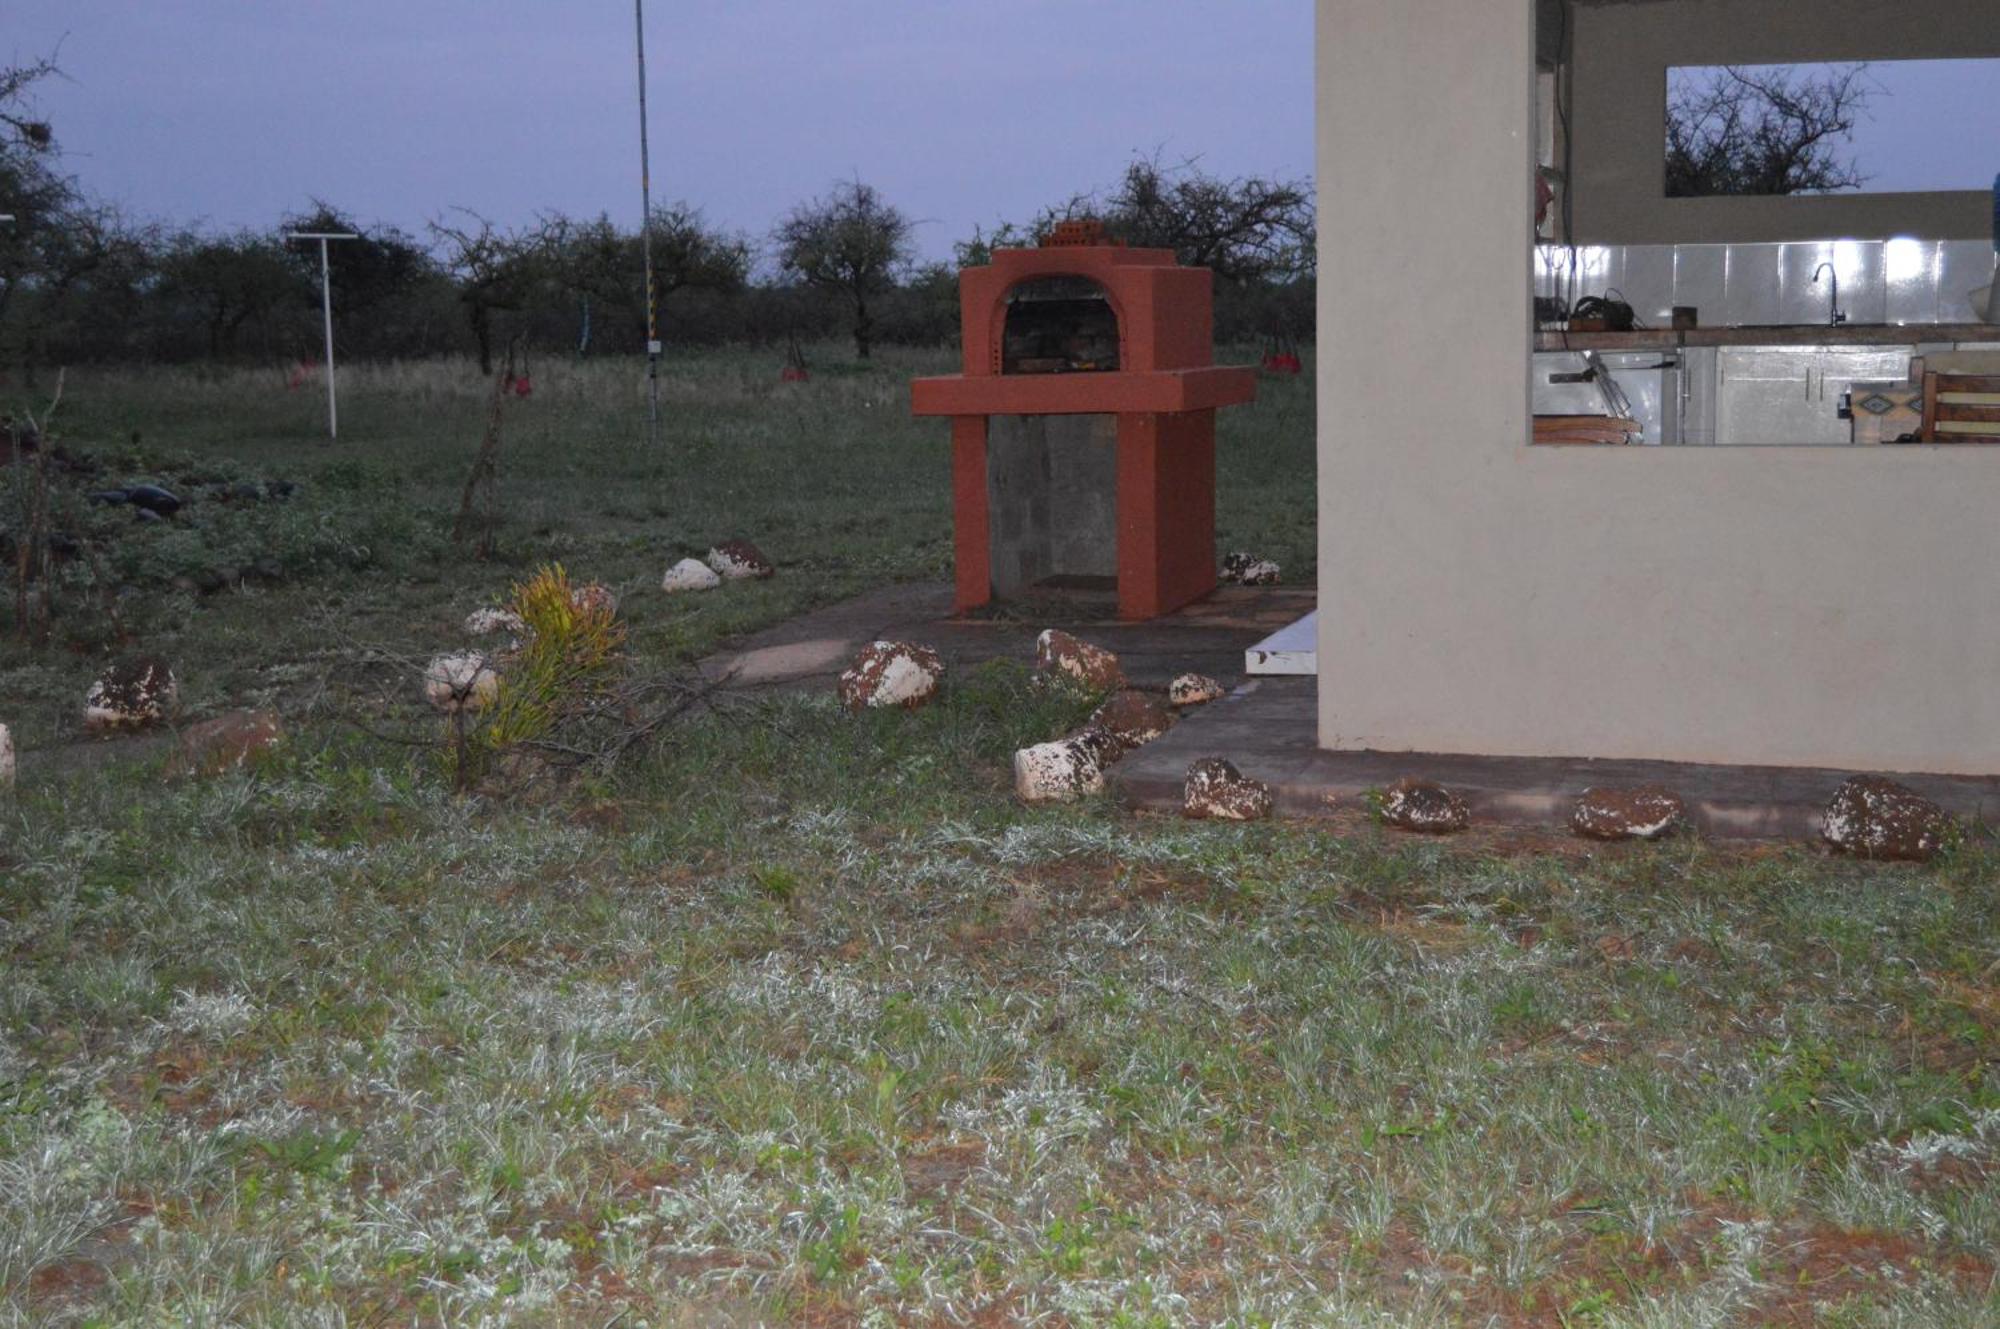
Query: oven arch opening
[1060,325]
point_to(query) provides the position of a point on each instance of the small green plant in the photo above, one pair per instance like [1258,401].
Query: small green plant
[1524,1010]
[777,881]
[570,649]
[838,1248]
[565,663]
[310,1153]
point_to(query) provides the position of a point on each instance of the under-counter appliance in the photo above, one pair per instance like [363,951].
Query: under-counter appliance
[1777,395]
[1647,383]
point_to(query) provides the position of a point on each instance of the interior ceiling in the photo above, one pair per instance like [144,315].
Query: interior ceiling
[1548,23]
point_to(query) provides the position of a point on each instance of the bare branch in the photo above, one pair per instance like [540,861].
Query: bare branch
[1738,130]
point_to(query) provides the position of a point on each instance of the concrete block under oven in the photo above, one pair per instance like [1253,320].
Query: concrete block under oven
[1051,484]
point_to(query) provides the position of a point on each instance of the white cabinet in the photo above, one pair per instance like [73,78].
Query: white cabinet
[1791,394]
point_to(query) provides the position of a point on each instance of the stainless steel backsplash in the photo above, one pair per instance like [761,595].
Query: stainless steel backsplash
[1901,281]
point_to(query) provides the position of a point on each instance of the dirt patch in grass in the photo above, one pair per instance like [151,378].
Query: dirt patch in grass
[66,1280]
[1824,1266]
[939,1172]
[1799,1272]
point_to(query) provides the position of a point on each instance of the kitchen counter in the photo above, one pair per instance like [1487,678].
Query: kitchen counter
[1802,334]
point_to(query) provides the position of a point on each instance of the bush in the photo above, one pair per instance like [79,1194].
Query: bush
[567,660]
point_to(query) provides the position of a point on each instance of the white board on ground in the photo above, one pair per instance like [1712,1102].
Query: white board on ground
[1292,650]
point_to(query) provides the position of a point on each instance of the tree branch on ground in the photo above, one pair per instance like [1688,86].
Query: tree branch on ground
[479,505]
[30,445]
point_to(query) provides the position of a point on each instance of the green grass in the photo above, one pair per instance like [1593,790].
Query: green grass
[797,1017]
[834,479]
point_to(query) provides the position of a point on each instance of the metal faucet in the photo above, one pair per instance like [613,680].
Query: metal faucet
[1835,318]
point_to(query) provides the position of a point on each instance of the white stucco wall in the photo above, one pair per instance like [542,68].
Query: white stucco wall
[1791,606]
[1622,53]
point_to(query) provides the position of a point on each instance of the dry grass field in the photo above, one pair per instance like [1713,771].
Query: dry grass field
[796,1017]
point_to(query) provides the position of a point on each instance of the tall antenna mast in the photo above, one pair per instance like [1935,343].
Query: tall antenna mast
[326,310]
[646,243]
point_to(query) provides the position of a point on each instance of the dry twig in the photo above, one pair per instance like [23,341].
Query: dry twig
[31,551]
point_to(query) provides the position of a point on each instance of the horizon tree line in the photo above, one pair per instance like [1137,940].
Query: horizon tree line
[81,280]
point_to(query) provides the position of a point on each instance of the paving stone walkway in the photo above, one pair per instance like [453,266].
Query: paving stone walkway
[1208,637]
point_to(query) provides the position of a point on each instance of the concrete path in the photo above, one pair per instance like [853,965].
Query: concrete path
[811,650]
[1266,727]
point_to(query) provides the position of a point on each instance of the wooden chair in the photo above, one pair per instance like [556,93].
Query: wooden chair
[1961,408]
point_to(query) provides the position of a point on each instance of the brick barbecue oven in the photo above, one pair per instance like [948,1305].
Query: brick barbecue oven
[1083,427]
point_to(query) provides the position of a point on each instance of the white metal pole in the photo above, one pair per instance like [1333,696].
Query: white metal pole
[646,242]
[326,311]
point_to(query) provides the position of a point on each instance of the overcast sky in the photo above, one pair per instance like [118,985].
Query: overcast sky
[961,111]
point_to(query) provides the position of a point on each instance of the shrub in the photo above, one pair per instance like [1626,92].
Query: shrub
[566,661]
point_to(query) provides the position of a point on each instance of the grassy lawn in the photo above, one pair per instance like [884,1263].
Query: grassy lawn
[797,1017]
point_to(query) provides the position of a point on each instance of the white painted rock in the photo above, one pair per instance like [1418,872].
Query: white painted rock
[738,559]
[228,742]
[1249,570]
[490,622]
[1645,813]
[690,574]
[462,682]
[891,673]
[1193,690]
[6,758]
[1064,770]
[1873,817]
[131,694]
[1424,806]
[1216,790]
[1057,653]
[1133,718]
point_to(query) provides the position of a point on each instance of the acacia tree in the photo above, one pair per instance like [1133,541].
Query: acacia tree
[1245,229]
[371,273]
[19,127]
[95,273]
[232,279]
[1766,130]
[596,263]
[977,252]
[496,271]
[586,263]
[850,241]
[32,189]
[688,253]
